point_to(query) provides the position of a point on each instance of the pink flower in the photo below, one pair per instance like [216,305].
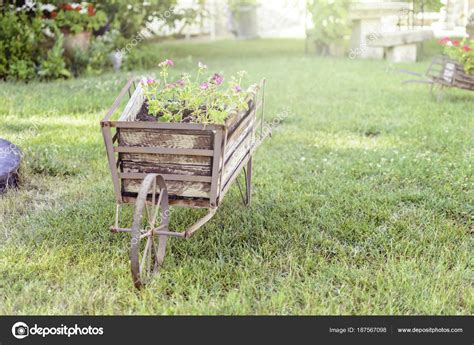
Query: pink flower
[150,81]
[217,79]
[204,86]
[466,48]
[237,88]
[444,40]
[180,82]
[456,43]
[167,62]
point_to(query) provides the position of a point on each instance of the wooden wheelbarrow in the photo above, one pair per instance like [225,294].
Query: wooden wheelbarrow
[156,165]
[445,73]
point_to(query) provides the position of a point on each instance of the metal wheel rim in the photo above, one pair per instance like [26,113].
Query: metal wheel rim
[147,249]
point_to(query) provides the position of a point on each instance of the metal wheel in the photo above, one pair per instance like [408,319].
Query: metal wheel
[151,214]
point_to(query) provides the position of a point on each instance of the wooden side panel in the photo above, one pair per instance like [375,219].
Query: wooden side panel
[170,163]
[240,134]
[235,158]
[462,79]
[235,120]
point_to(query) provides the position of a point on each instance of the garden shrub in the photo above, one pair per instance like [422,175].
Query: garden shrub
[32,35]
[20,39]
[331,23]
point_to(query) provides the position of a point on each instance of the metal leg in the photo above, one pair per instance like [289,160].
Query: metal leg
[248,182]
[441,94]
[247,198]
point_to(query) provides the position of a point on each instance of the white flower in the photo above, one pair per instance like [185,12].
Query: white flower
[201,65]
[48,7]
[84,8]
[30,3]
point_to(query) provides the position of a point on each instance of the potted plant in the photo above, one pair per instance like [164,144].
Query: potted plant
[77,21]
[192,100]
[196,130]
[244,18]
[458,66]
[461,51]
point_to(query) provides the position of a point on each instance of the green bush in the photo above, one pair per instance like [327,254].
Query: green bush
[54,66]
[20,40]
[31,42]
[131,16]
[29,48]
[331,22]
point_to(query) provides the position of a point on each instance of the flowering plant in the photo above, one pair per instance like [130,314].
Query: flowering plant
[461,51]
[201,100]
[77,17]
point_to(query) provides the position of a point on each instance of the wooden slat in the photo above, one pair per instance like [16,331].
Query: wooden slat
[165,138]
[232,121]
[134,105]
[160,150]
[240,118]
[233,176]
[178,188]
[164,168]
[236,158]
[215,166]
[167,159]
[167,177]
[181,202]
[234,142]
[117,102]
[165,125]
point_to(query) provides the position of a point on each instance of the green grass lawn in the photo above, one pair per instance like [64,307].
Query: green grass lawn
[362,204]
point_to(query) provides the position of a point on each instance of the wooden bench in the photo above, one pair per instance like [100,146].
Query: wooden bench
[400,46]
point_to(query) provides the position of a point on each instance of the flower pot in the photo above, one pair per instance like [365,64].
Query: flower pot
[78,41]
[245,22]
[116,58]
[470,30]
[331,49]
[337,50]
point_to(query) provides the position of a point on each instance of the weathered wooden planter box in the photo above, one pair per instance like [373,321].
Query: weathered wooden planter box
[450,73]
[445,73]
[197,161]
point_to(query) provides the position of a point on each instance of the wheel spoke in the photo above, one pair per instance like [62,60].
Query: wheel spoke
[145,254]
[153,205]
[157,207]
[148,213]
[148,259]
[155,258]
